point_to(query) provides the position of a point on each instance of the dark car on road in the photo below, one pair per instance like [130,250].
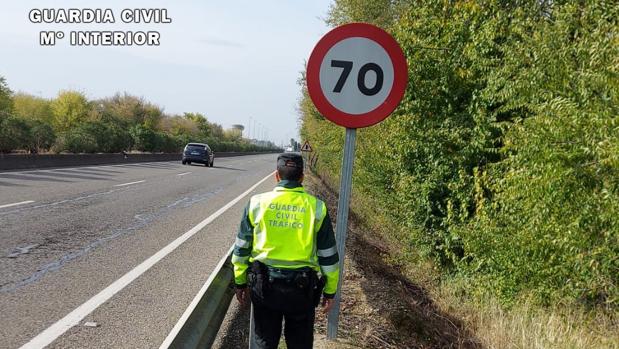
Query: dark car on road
[198,152]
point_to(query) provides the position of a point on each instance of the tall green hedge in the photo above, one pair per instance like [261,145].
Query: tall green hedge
[502,162]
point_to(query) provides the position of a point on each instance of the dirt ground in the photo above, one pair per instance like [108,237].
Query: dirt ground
[380,307]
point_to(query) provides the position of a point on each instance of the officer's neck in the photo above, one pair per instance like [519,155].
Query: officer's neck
[286,183]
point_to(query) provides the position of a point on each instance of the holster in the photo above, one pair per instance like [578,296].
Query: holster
[257,278]
[319,285]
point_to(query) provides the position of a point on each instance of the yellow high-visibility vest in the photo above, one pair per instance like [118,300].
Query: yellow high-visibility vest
[285,224]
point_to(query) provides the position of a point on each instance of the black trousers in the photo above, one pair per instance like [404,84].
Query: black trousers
[281,300]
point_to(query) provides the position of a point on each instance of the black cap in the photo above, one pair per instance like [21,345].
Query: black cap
[290,160]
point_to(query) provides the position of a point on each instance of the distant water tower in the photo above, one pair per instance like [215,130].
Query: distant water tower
[239,128]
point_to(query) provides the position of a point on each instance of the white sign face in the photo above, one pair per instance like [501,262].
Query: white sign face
[356,75]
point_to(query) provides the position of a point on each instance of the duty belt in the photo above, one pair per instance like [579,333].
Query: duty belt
[288,274]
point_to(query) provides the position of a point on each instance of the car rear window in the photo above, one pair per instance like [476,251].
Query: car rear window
[191,147]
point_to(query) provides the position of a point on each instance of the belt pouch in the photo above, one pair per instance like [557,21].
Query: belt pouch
[258,279]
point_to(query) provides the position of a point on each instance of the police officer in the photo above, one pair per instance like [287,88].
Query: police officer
[284,241]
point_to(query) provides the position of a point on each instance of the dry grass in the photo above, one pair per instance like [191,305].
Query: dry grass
[531,327]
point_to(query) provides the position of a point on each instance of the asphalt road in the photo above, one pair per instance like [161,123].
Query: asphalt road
[68,234]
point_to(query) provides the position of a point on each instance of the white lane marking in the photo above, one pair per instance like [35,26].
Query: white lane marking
[78,314]
[194,303]
[182,174]
[124,184]
[17,203]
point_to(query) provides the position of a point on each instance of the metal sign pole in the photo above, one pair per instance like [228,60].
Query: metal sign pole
[304,161]
[341,224]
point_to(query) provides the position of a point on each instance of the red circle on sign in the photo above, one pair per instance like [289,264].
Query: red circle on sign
[400,71]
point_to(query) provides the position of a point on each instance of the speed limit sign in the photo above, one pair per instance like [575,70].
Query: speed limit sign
[356,75]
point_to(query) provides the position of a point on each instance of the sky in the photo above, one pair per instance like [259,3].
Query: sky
[235,61]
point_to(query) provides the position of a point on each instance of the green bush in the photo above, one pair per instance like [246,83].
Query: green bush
[95,137]
[502,162]
[14,133]
[144,139]
[41,137]
[553,221]
[79,140]
[112,138]
[171,144]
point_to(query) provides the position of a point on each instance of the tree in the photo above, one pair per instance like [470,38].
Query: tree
[152,116]
[131,110]
[232,135]
[204,127]
[6,103]
[69,108]
[378,12]
[31,107]
[217,131]
[180,126]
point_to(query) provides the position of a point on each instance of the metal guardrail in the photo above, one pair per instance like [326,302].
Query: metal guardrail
[199,324]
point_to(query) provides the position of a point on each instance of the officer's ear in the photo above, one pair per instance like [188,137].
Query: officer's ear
[277,177]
